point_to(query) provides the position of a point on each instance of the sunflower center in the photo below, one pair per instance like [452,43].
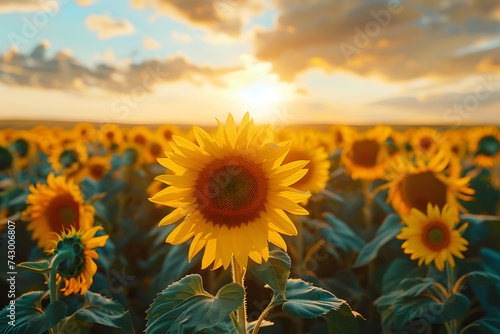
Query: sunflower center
[426,143]
[231,191]
[140,139]
[488,146]
[436,236]
[155,149]
[76,264]
[63,212]
[68,158]
[167,135]
[97,171]
[5,158]
[365,152]
[420,189]
[110,135]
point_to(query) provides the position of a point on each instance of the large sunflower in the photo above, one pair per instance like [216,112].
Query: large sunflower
[417,182]
[365,155]
[78,271]
[233,190]
[432,237]
[484,143]
[55,207]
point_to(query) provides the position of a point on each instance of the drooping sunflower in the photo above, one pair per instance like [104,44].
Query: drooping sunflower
[233,190]
[484,143]
[365,155]
[413,183]
[77,272]
[55,207]
[68,159]
[96,167]
[432,236]
[317,175]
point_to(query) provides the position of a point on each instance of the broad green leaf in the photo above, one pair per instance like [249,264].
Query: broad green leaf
[29,316]
[396,272]
[175,265]
[340,234]
[42,266]
[101,310]
[303,300]
[482,278]
[225,326]
[343,321]
[406,309]
[386,232]
[490,324]
[274,272]
[185,307]
[415,286]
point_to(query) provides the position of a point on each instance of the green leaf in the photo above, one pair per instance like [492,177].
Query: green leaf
[185,307]
[225,326]
[28,315]
[303,300]
[101,310]
[386,232]
[340,234]
[42,266]
[490,324]
[274,272]
[343,321]
[175,265]
[482,278]
[406,309]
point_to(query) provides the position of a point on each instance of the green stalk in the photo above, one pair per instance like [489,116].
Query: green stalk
[367,200]
[53,274]
[451,282]
[239,277]
[262,317]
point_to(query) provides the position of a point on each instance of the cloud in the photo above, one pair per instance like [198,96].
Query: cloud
[224,16]
[7,6]
[393,40]
[108,27]
[64,72]
[181,37]
[150,44]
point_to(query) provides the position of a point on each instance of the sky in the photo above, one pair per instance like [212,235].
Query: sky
[289,61]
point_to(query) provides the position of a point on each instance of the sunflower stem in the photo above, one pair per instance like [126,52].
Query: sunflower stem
[367,201]
[300,245]
[239,277]
[53,274]
[450,274]
[262,317]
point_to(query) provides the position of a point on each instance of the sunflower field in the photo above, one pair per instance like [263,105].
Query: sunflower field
[245,228]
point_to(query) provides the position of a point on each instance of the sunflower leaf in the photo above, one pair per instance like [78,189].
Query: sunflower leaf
[25,314]
[185,307]
[386,232]
[101,310]
[340,234]
[42,266]
[343,321]
[303,300]
[274,272]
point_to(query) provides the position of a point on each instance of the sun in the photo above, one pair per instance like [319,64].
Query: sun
[261,94]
